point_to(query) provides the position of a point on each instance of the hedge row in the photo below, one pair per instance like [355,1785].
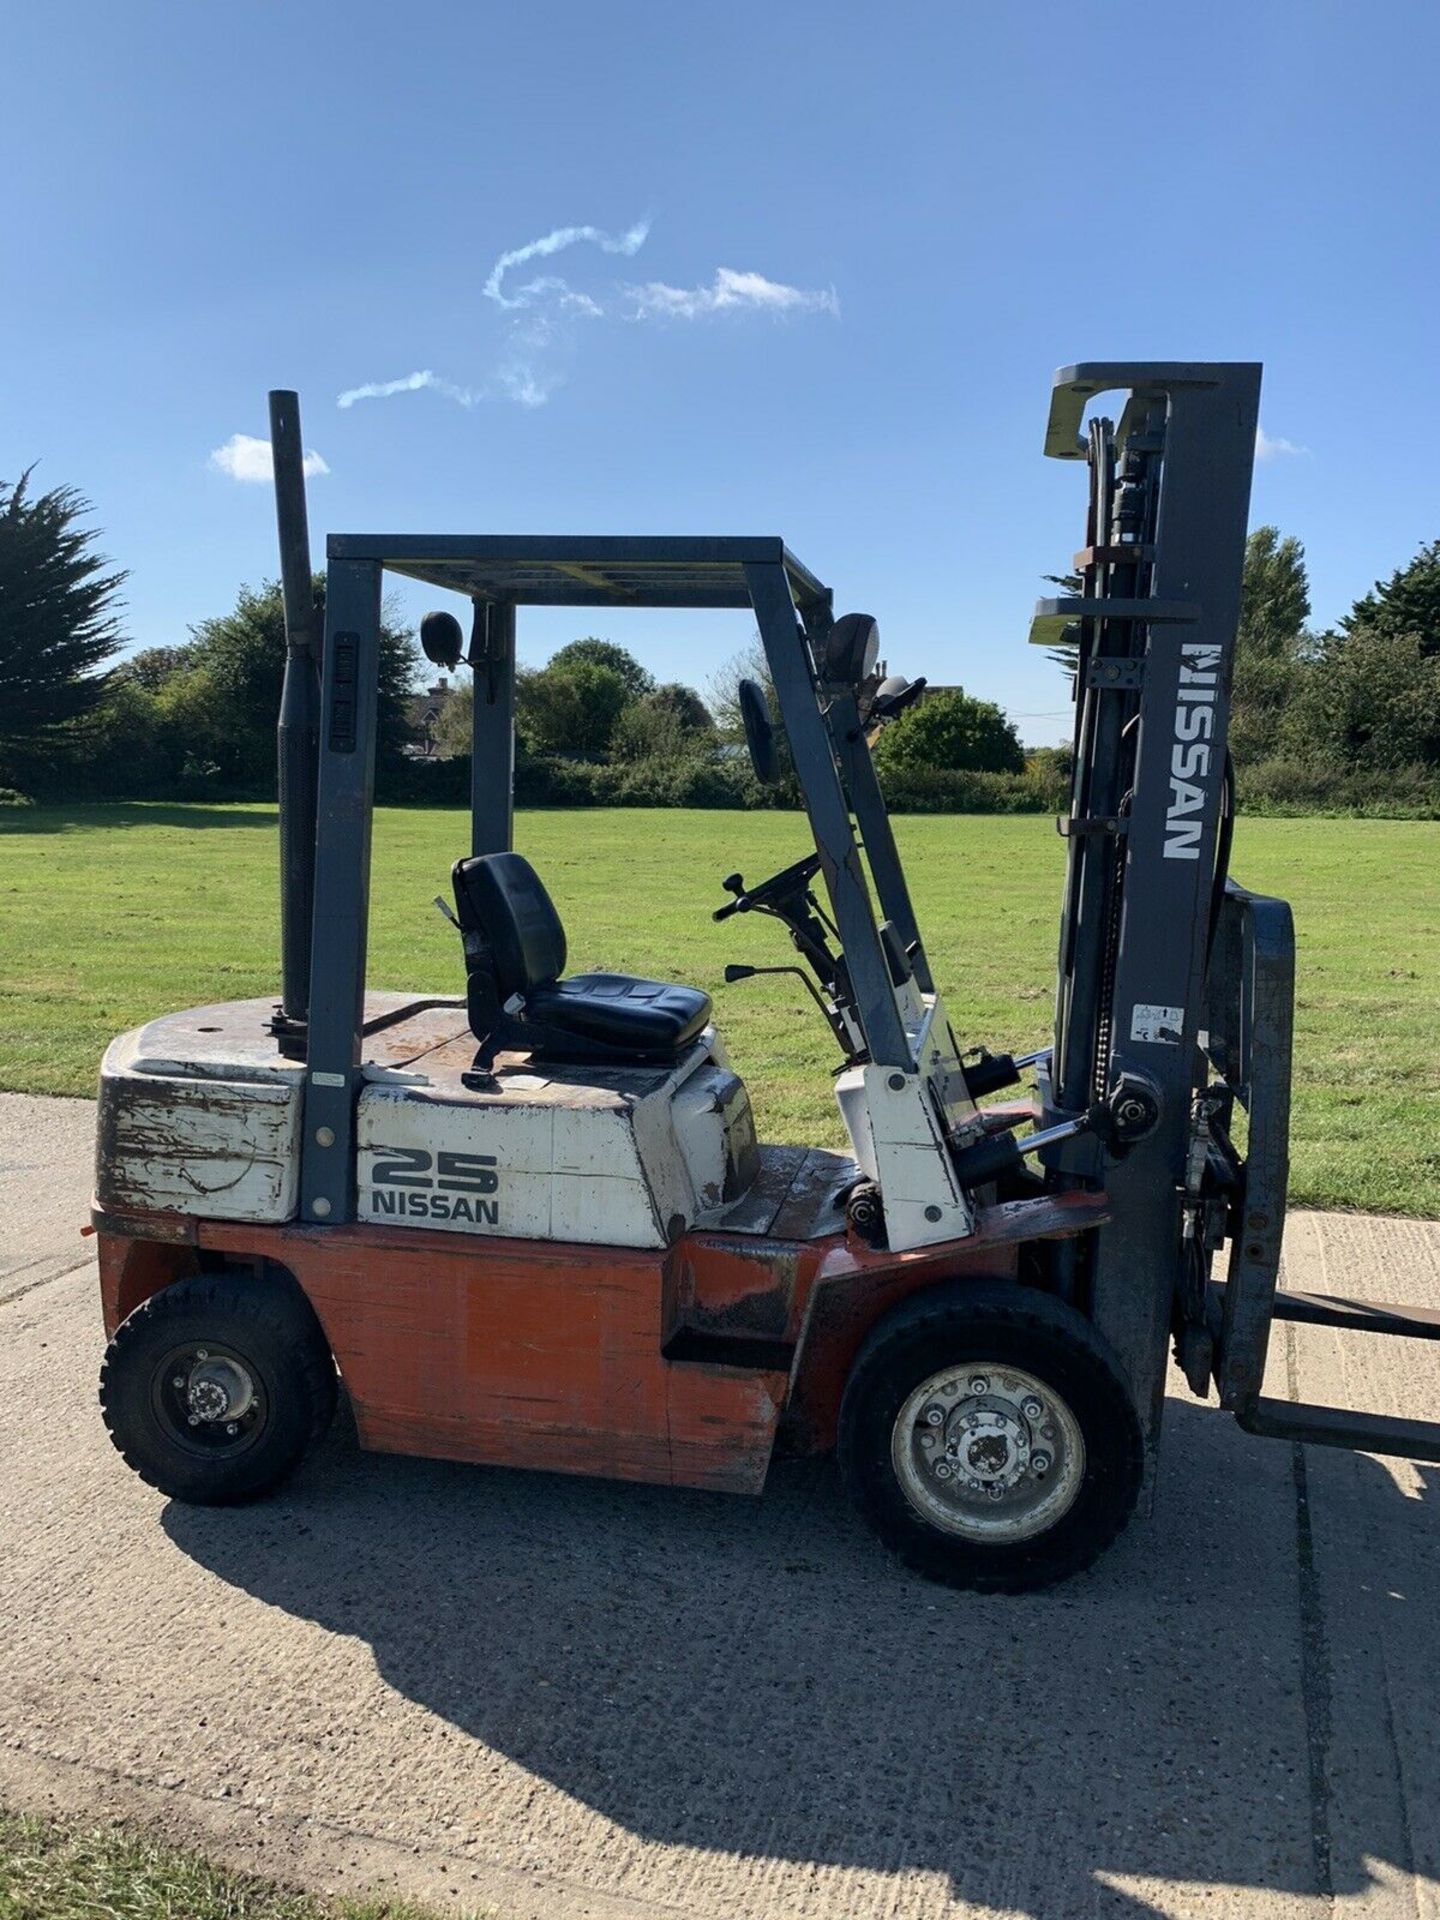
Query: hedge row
[1275,787]
[1295,787]
[703,782]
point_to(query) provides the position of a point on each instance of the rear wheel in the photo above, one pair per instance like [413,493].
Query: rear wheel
[988,1436]
[215,1388]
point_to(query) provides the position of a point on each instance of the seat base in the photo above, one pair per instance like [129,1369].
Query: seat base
[653,1019]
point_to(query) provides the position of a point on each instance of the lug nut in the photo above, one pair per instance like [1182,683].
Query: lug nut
[1031,1408]
[1040,1462]
[231,1428]
[996,1491]
[934,1416]
[979,1384]
[202,1353]
[194,1419]
[178,1383]
[942,1470]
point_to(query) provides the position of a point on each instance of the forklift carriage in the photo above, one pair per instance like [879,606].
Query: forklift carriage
[530,1225]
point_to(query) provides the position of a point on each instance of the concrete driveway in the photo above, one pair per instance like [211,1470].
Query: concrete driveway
[555,1697]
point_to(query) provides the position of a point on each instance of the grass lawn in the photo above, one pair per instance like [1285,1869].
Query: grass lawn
[70,1870]
[114,914]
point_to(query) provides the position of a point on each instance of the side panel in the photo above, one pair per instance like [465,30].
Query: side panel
[227,1150]
[523,1354]
[507,1170]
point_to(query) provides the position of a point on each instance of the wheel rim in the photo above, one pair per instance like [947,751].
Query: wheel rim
[209,1399]
[989,1453]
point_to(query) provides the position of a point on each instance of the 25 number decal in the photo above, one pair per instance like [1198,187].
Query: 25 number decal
[452,1172]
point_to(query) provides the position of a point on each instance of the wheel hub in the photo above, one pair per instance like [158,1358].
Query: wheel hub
[992,1453]
[208,1398]
[219,1389]
[992,1446]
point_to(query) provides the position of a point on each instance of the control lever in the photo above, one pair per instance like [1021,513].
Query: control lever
[737,972]
[988,1072]
[833,1017]
[1130,1115]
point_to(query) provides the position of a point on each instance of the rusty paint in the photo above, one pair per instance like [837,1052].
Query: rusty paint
[856,1284]
[1001,1115]
[408,1033]
[521,1353]
[533,1353]
[131,1270]
[203,1146]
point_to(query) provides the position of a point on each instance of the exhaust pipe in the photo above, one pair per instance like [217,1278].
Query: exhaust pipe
[298,734]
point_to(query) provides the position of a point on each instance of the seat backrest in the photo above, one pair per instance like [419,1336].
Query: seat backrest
[500,898]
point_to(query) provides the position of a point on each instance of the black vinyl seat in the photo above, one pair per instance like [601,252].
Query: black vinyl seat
[514,960]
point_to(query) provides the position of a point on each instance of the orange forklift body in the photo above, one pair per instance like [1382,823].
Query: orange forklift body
[675,1366]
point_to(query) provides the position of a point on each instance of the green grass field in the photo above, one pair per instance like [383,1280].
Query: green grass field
[113,914]
[82,1870]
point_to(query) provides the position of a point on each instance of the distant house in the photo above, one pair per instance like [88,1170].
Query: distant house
[422,714]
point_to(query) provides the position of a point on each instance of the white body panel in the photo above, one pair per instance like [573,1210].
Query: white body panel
[898,1123]
[200,1113]
[621,1157]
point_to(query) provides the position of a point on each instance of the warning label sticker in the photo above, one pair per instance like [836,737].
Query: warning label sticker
[1160,1025]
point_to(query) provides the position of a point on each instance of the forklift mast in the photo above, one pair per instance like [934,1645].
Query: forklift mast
[1152,628]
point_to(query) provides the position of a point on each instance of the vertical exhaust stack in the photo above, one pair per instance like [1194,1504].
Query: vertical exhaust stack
[298,735]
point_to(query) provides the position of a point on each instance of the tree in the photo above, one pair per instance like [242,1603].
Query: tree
[151,667]
[58,626]
[1270,643]
[1370,702]
[455,729]
[591,652]
[1407,603]
[690,711]
[723,692]
[672,723]
[949,729]
[570,708]
[222,700]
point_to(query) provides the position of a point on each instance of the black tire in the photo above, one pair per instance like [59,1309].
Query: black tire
[253,1328]
[965,1327]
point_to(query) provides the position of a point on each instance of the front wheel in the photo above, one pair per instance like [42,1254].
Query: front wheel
[215,1388]
[988,1436]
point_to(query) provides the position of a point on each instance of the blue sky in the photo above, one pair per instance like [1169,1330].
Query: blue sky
[923,210]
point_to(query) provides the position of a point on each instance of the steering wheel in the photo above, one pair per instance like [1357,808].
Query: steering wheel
[769,893]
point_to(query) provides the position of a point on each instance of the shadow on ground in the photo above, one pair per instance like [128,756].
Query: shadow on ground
[115,815]
[759,1678]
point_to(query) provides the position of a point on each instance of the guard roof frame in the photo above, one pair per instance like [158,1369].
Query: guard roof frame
[498,573]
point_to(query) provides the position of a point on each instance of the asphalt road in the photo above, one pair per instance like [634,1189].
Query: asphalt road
[555,1697]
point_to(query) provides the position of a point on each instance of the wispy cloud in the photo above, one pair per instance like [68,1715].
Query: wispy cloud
[409,383]
[245,458]
[532,359]
[728,292]
[628,243]
[1267,448]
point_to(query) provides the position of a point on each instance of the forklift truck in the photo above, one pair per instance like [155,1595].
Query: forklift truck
[530,1224]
